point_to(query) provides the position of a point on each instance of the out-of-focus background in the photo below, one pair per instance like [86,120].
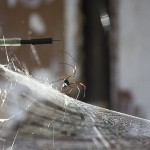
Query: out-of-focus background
[109,39]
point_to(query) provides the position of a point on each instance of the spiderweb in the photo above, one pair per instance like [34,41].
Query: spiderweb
[34,115]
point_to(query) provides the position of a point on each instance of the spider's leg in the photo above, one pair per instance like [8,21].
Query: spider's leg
[78,91]
[84,89]
[73,68]
[68,77]
[61,88]
[76,84]
[61,78]
[70,91]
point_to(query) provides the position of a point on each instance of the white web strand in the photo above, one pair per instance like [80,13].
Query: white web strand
[53,135]
[99,135]
[17,114]
[3,96]
[14,139]
[107,145]
[35,54]
[6,50]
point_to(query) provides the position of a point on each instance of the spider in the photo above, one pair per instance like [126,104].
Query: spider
[67,83]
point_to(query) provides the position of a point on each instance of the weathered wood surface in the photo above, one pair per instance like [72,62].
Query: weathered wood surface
[52,120]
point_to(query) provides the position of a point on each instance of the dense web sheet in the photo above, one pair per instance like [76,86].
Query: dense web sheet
[37,117]
[47,119]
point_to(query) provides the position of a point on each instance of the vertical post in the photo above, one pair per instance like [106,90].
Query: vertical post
[97,66]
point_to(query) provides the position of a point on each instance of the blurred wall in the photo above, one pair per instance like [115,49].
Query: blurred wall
[133,73]
[32,19]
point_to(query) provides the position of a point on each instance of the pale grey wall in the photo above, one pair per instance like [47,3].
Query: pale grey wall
[134,51]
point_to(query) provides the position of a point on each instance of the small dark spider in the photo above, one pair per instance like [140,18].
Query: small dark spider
[66,82]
